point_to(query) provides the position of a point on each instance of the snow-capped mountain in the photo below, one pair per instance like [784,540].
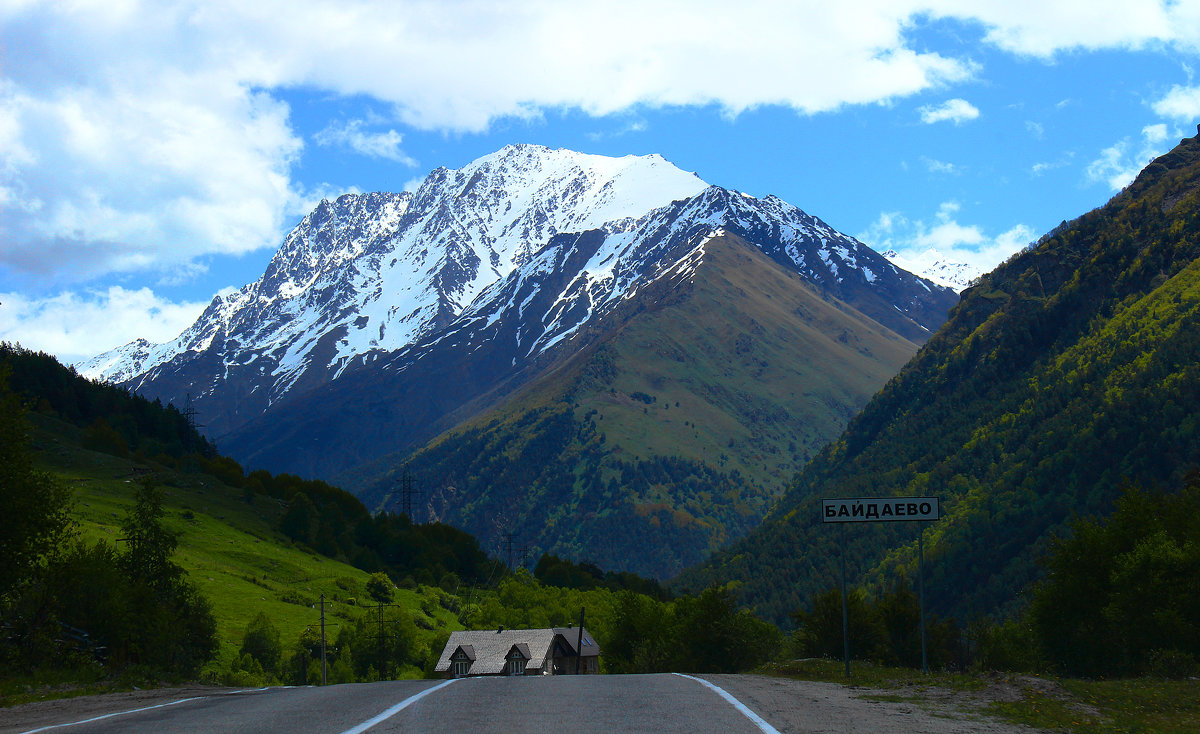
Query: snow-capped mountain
[936,267]
[482,273]
[375,272]
[669,242]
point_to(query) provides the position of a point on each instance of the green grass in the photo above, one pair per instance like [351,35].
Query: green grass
[229,548]
[871,675]
[761,370]
[1129,706]
[1150,705]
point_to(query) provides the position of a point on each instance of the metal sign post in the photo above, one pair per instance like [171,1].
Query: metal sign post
[883,509]
[845,609]
[921,588]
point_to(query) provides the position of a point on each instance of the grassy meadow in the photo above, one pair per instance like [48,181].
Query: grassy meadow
[229,547]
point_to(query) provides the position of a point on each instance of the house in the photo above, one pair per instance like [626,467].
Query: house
[519,652]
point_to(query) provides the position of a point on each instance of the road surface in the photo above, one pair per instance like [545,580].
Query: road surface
[660,704]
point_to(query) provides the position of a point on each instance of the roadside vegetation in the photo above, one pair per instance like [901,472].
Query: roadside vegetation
[1108,642]
[1146,704]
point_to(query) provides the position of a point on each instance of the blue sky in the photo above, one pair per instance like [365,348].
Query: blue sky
[153,154]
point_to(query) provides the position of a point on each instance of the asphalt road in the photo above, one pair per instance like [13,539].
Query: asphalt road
[660,704]
[650,703]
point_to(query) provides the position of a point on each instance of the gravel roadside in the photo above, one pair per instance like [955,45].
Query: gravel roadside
[809,706]
[37,714]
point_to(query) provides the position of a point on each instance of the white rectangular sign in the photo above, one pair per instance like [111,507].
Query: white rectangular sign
[889,509]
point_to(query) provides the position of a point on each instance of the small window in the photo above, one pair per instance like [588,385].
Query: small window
[461,667]
[516,666]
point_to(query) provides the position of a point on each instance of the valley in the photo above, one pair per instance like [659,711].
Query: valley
[764,330]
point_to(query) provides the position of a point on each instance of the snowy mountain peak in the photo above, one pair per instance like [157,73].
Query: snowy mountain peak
[526,247]
[936,267]
[373,272]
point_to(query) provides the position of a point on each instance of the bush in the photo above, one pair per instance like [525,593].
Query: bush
[1171,664]
[379,587]
[261,643]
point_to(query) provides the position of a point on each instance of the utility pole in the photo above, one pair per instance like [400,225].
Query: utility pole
[524,555]
[579,643]
[324,677]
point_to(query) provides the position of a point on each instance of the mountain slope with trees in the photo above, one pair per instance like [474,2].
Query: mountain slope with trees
[1069,372]
[670,436]
[127,570]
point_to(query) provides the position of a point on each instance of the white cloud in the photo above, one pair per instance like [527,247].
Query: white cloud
[142,135]
[1180,103]
[956,110]
[384,145]
[139,173]
[936,166]
[634,126]
[1062,161]
[145,135]
[77,325]
[303,202]
[1120,163]
[1043,28]
[916,239]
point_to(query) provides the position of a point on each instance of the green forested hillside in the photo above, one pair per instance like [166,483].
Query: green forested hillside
[1069,372]
[123,569]
[670,438]
[242,545]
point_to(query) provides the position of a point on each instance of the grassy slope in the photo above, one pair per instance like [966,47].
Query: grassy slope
[764,370]
[748,374]
[228,547]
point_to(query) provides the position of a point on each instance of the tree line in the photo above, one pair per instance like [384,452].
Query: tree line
[65,603]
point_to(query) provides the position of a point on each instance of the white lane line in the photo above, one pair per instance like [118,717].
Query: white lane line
[397,708]
[144,708]
[758,720]
[119,713]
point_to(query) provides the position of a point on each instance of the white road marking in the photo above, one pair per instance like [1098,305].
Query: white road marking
[144,708]
[758,720]
[397,708]
[119,713]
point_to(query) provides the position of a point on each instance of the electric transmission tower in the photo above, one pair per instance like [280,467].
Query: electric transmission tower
[407,492]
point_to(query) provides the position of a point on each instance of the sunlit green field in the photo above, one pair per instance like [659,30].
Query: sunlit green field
[229,547]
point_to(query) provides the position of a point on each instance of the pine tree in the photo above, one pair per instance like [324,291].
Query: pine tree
[35,505]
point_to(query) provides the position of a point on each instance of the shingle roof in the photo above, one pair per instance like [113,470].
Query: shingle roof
[571,635]
[491,647]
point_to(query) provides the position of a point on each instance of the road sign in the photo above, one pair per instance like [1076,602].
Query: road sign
[891,509]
